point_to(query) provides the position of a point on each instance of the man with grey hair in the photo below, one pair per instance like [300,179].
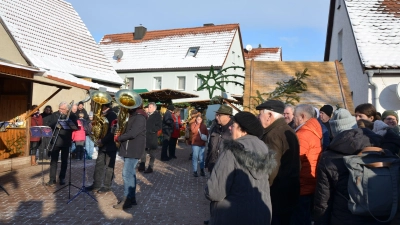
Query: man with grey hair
[284,180]
[309,133]
[288,114]
[153,125]
[62,144]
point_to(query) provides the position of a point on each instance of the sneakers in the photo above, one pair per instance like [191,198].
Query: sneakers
[124,204]
[62,181]
[149,170]
[92,188]
[202,172]
[103,190]
[195,174]
[51,183]
[141,167]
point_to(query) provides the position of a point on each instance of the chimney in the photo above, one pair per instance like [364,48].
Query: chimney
[140,31]
[208,24]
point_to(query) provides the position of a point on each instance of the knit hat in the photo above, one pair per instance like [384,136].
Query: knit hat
[224,109]
[390,113]
[272,105]
[249,123]
[327,109]
[342,120]
[171,107]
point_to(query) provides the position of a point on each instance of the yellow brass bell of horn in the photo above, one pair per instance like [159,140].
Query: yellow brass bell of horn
[100,123]
[126,99]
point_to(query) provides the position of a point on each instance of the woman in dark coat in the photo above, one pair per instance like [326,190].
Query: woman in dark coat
[238,187]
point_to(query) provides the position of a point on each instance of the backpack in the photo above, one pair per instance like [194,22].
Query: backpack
[87,126]
[373,183]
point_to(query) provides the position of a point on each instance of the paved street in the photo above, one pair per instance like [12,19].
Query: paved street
[169,195]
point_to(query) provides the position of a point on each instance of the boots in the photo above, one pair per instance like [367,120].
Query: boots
[124,203]
[149,170]
[141,167]
[202,172]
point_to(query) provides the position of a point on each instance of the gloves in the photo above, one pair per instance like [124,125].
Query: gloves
[48,153]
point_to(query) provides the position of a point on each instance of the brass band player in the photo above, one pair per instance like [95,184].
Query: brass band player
[63,143]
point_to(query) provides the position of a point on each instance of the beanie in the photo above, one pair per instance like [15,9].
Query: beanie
[342,120]
[249,123]
[327,109]
[390,113]
[171,107]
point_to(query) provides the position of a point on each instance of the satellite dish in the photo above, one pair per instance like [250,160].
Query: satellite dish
[118,54]
[398,90]
[249,48]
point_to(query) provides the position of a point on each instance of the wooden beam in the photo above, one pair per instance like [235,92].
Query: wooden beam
[41,104]
[226,101]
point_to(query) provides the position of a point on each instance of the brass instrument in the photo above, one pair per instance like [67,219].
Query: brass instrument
[100,123]
[126,99]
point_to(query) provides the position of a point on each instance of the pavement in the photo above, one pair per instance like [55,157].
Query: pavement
[169,195]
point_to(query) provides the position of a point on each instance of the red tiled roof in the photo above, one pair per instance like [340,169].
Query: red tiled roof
[258,51]
[157,34]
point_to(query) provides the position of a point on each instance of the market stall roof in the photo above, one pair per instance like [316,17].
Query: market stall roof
[166,95]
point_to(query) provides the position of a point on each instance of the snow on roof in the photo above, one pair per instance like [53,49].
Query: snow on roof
[52,36]
[166,49]
[264,54]
[376,26]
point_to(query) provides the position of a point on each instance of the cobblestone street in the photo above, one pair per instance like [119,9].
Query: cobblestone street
[169,195]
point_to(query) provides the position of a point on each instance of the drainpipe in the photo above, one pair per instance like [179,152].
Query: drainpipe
[370,74]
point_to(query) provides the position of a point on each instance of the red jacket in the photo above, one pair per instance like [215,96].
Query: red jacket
[177,132]
[36,121]
[194,130]
[79,135]
[309,135]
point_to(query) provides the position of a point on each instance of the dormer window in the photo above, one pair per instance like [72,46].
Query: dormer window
[192,51]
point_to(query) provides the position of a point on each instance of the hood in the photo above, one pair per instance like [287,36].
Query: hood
[313,126]
[351,142]
[252,154]
[380,127]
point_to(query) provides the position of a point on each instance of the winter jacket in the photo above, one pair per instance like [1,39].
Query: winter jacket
[331,195]
[194,130]
[153,125]
[108,140]
[85,114]
[325,135]
[217,135]
[64,136]
[133,141]
[285,189]
[176,133]
[36,121]
[188,124]
[238,187]
[167,124]
[79,135]
[310,136]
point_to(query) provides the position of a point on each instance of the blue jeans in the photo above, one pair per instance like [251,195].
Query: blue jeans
[129,177]
[89,146]
[198,155]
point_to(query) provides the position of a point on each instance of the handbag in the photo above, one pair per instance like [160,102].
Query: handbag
[203,136]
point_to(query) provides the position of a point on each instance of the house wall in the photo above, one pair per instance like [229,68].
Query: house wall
[145,80]
[42,92]
[350,58]
[8,50]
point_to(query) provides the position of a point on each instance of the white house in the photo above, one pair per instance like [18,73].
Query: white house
[51,36]
[365,36]
[172,59]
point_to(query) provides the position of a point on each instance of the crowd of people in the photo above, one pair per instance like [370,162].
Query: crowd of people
[283,166]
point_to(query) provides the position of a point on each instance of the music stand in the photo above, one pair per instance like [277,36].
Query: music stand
[68,125]
[41,131]
[3,126]
[83,188]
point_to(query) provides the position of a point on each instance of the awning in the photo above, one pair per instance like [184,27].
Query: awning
[11,76]
[139,91]
[165,95]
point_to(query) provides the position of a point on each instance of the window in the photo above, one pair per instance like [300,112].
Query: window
[339,46]
[199,82]
[338,4]
[157,83]
[192,51]
[181,83]
[131,83]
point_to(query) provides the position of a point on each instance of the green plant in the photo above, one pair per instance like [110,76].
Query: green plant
[15,146]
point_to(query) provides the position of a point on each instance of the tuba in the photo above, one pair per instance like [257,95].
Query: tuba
[100,123]
[126,99]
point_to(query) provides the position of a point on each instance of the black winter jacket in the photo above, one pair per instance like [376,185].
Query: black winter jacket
[153,125]
[133,141]
[64,138]
[217,136]
[330,198]
[167,124]
[108,140]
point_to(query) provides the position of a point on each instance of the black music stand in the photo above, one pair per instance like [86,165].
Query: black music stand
[83,188]
[67,125]
[41,131]
[3,126]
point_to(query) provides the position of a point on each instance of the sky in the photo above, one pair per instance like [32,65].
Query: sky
[299,27]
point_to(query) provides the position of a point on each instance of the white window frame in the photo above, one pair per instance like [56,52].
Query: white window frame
[198,83]
[131,83]
[184,83]
[155,83]
[189,52]
[340,46]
